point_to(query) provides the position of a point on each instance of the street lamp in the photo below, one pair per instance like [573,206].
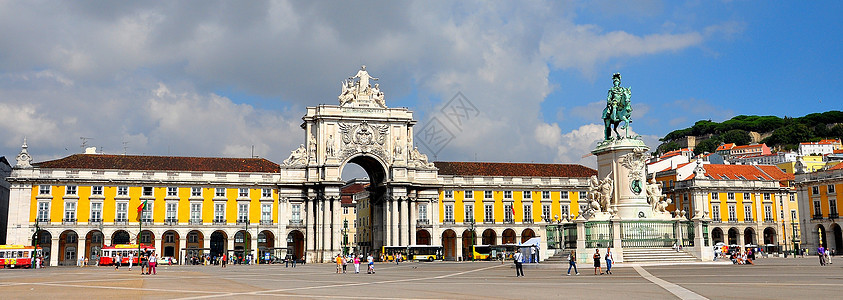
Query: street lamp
[345,237]
[471,232]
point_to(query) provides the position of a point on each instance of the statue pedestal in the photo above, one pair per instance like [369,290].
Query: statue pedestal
[624,161]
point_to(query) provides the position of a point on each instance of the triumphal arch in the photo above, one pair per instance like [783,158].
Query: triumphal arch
[360,130]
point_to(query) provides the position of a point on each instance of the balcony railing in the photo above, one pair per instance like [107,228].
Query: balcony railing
[748,220]
[731,220]
[242,221]
[195,222]
[147,221]
[219,222]
[527,221]
[833,216]
[44,221]
[121,222]
[422,223]
[171,221]
[449,221]
[266,222]
[509,221]
[488,221]
[296,223]
[68,221]
[817,217]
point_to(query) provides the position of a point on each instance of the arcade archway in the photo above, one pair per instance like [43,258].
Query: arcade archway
[770,236]
[295,244]
[68,251]
[717,235]
[120,237]
[422,237]
[733,236]
[44,240]
[508,236]
[469,239]
[527,234]
[749,236]
[449,242]
[838,237]
[170,244]
[266,243]
[219,241]
[489,237]
[93,245]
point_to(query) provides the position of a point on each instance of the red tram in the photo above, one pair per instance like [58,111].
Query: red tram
[15,256]
[109,253]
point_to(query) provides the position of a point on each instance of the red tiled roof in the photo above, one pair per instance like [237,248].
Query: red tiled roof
[731,172]
[725,147]
[776,173]
[512,169]
[837,167]
[163,163]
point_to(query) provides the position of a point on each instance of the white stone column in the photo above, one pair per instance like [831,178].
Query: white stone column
[387,221]
[336,232]
[254,244]
[394,228]
[411,224]
[182,247]
[405,222]
[55,249]
[80,245]
[310,219]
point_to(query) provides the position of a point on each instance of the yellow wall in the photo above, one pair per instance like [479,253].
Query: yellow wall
[109,209]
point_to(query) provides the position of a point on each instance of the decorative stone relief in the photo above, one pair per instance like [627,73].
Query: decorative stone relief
[298,157]
[635,162]
[365,138]
[24,160]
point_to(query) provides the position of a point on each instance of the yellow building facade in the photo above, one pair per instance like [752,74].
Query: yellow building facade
[819,197]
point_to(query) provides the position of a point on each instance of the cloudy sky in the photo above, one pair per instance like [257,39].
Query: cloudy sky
[214,78]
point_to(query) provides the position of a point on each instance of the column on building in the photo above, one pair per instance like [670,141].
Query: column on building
[55,249]
[395,215]
[310,220]
[405,222]
[80,245]
[182,246]
[413,215]
[337,225]
[387,221]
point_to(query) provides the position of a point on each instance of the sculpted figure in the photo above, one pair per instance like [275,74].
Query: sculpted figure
[662,205]
[654,193]
[378,96]
[364,77]
[296,156]
[617,109]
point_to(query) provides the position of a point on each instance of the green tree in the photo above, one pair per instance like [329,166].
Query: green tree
[708,145]
[737,136]
[669,146]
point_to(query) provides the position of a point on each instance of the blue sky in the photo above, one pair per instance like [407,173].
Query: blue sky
[216,78]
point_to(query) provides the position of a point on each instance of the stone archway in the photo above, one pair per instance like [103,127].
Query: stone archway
[469,239]
[770,237]
[120,237]
[822,239]
[266,244]
[838,237]
[360,130]
[733,236]
[93,245]
[170,245]
[527,234]
[295,244]
[489,237]
[749,236]
[219,243]
[44,239]
[717,235]
[147,237]
[242,246]
[508,236]
[68,249]
[449,243]
[195,243]
[422,237]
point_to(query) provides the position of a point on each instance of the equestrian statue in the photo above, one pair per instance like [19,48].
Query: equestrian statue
[617,109]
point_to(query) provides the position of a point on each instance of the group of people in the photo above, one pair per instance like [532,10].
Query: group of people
[343,261]
[825,255]
[148,261]
[742,257]
[572,262]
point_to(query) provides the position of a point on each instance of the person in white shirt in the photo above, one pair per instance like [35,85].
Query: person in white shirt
[519,268]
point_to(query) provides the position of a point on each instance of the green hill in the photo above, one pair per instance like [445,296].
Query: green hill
[782,133]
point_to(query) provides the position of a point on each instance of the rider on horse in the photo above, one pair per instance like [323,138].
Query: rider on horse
[617,108]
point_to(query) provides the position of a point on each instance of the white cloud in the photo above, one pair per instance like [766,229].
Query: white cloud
[150,74]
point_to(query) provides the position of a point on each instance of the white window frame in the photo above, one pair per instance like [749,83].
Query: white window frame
[96,190]
[44,189]
[730,196]
[747,196]
[817,208]
[488,195]
[266,193]
[122,190]
[196,192]
[147,193]
[468,194]
[171,211]
[507,194]
[768,212]
[565,209]
[423,211]
[449,194]
[526,195]
[243,212]
[508,215]
[715,213]
[545,195]
[832,205]
[70,210]
[345,210]
[172,191]
[96,212]
[219,192]
[563,195]
[266,212]
[295,212]
[196,211]
[488,213]
[147,213]
[815,190]
[715,196]
[243,192]
[747,212]
[43,211]
[830,189]
[469,213]
[546,213]
[449,213]
[219,212]
[733,213]
[767,197]
[793,216]
[527,214]
[71,190]
[121,211]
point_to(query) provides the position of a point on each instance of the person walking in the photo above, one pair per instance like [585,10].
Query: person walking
[338,259]
[357,264]
[821,255]
[519,268]
[371,262]
[609,260]
[153,262]
[117,262]
[596,258]
[131,257]
[572,262]
[224,260]
[344,263]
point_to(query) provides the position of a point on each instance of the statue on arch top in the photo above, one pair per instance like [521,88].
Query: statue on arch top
[364,77]
[618,109]
[356,91]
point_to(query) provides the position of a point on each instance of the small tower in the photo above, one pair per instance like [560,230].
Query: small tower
[24,160]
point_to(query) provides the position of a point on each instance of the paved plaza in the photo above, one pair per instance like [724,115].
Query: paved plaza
[771,278]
